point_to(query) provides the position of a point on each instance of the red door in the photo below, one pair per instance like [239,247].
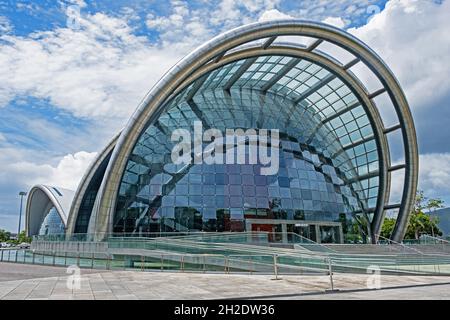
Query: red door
[264,228]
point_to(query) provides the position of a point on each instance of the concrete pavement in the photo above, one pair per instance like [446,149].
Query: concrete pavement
[42,282]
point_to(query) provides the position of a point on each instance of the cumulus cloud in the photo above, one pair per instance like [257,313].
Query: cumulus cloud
[348,10]
[412,37]
[5,25]
[273,14]
[101,69]
[67,173]
[80,3]
[97,67]
[185,27]
[434,175]
[21,169]
[336,21]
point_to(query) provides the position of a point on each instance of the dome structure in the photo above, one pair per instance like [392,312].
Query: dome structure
[330,126]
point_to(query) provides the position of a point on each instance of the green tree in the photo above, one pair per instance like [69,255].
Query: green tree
[4,235]
[23,237]
[420,222]
[387,228]
[432,206]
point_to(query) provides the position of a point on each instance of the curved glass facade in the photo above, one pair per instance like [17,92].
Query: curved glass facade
[329,125]
[52,223]
[87,203]
[327,152]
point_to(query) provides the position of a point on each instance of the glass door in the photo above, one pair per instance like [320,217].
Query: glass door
[329,234]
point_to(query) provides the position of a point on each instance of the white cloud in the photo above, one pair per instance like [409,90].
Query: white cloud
[257,5]
[66,174]
[336,21]
[413,37]
[434,174]
[273,14]
[186,27]
[22,168]
[79,3]
[5,25]
[348,10]
[69,171]
[102,70]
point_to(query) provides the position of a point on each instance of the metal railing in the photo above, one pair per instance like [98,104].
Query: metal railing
[269,264]
[426,239]
[241,263]
[390,241]
[228,252]
[246,236]
[225,244]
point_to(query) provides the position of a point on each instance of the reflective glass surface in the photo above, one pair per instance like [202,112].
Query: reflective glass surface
[87,203]
[52,223]
[328,156]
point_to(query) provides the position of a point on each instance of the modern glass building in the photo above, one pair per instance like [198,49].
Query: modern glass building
[47,210]
[335,106]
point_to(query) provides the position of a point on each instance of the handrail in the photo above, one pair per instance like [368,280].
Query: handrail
[399,243]
[181,242]
[194,234]
[406,265]
[436,238]
[239,247]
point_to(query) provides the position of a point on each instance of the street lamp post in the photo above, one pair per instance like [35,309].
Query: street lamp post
[21,194]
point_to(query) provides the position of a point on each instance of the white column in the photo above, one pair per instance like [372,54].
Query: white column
[284,232]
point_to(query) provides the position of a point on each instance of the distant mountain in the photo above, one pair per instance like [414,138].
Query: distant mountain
[444,220]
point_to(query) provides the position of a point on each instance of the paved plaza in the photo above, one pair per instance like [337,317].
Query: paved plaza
[19,281]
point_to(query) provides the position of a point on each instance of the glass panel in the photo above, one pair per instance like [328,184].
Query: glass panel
[52,223]
[318,178]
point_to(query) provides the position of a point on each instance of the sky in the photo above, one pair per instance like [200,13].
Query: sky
[72,73]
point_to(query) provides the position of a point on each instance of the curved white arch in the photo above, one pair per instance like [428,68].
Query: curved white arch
[41,199]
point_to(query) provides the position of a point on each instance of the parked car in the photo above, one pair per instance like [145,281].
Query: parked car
[5,245]
[24,245]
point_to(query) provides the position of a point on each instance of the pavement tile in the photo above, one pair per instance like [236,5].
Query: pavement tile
[128,285]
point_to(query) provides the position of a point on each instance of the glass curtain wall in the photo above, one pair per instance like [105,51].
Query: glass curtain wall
[328,160]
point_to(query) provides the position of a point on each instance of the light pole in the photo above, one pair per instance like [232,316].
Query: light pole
[21,194]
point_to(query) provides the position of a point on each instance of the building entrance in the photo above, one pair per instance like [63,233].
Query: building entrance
[284,231]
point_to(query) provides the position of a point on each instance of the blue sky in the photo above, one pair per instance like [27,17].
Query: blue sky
[74,71]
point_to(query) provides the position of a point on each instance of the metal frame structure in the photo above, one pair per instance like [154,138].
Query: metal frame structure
[242,47]
[227,47]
